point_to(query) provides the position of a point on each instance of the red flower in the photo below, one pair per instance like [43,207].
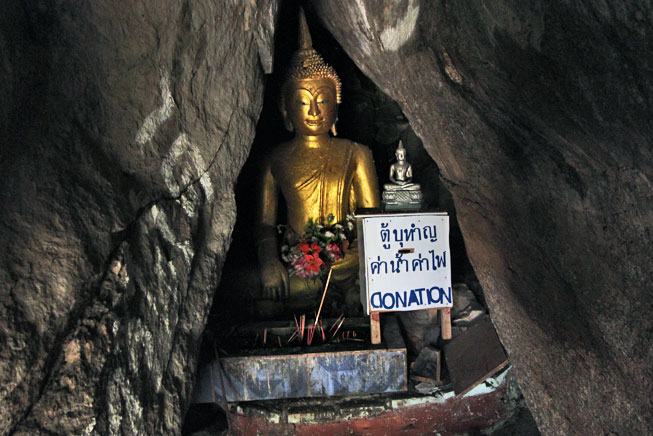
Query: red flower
[313,263]
[307,266]
[316,247]
[304,247]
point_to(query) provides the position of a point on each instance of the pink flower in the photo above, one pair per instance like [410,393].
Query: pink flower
[334,251]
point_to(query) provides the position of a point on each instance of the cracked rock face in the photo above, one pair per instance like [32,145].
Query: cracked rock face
[124,129]
[538,115]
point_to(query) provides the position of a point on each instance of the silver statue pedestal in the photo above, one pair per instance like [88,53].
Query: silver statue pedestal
[402,200]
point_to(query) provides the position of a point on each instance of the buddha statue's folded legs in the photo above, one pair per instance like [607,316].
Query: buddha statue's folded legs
[304,294]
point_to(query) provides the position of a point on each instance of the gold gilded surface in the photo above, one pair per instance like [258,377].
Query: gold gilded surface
[306,63]
[316,174]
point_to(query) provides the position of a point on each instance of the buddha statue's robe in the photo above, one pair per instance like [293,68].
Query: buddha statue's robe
[316,180]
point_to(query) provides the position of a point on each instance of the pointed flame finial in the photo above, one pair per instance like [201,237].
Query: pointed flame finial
[304,38]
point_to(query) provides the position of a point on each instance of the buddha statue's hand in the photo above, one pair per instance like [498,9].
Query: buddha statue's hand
[274,280]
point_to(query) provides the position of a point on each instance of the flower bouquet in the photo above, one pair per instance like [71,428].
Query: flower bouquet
[311,255]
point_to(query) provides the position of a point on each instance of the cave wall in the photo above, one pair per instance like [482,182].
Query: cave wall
[538,115]
[125,126]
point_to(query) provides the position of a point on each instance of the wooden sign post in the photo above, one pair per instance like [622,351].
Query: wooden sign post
[405,265]
[375,327]
[445,323]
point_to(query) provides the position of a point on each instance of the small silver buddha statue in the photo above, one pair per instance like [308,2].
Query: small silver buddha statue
[402,194]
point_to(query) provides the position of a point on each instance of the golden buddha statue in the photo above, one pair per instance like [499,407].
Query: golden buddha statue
[317,174]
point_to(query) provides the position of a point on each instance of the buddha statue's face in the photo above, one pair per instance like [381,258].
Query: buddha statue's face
[400,154]
[310,106]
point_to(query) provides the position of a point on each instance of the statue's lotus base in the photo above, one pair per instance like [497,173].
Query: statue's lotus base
[402,200]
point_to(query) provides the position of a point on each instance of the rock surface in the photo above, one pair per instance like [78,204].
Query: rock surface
[539,117]
[124,129]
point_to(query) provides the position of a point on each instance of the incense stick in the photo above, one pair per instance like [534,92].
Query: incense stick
[338,328]
[317,317]
[335,323]
[294,335]
[309,335]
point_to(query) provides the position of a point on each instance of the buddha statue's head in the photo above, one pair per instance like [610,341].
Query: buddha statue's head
[400,154]
[311,92]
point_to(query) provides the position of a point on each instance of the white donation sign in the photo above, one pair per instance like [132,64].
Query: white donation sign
[405,261]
